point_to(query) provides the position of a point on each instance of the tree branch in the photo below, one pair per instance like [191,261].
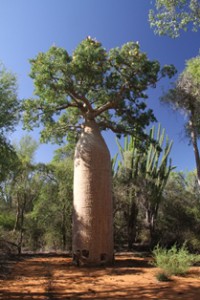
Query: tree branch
[110,104]
[77,98]
[103,108]
[64,106]
[106,124]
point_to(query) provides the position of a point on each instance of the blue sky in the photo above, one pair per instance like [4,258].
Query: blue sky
[31,26]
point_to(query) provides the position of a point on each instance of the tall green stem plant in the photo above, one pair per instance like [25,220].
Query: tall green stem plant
[146,174]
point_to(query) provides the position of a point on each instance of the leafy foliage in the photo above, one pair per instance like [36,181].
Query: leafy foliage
[140,179]
[7,221]
[185,97]
[9,116]
[108,87]
[161,276]
[185,93]
[8,160]
[173,261]
[36,201]
[9,105]
[179,217]
[52,210]
[170,17]
[48,211]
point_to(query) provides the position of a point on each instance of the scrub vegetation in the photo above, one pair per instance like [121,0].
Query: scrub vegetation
[85,203]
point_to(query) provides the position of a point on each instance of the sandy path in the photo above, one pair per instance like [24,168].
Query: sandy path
[54,277]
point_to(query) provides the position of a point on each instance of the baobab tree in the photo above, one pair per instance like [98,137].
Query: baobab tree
[90,91]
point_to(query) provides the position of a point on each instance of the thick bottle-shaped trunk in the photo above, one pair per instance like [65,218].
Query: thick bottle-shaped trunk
[93,210]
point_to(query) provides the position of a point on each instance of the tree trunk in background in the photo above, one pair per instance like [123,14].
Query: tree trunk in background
[150,226]
[132,221]
[92,241]
[63,228]
[195,148]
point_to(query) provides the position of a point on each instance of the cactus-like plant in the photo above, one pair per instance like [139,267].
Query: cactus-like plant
[147,172]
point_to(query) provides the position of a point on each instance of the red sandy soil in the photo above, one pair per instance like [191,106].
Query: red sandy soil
[52,277]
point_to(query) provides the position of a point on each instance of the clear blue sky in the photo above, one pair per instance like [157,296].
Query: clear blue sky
[30,26]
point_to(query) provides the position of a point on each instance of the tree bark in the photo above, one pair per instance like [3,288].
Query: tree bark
[132,221]
[92,241]
[195,148]
[17,216]
[63,228]
[150,224]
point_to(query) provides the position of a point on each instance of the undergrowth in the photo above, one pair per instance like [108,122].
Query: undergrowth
[173,261]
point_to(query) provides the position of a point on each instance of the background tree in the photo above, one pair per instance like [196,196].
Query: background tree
[185,97]
[125,193]
[9,116]
[24,186]
[141,179]
[52,211]
[154,173]
[64,174]
[87,92]
[9,104]
[179,217]
[170,17]
[36,201]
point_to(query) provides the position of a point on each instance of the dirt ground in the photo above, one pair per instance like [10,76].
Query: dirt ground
[52,277]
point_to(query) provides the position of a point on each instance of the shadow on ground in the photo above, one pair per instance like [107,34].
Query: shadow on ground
[52,277]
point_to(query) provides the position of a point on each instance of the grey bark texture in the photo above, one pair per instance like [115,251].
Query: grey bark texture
[193,134]
[92,242]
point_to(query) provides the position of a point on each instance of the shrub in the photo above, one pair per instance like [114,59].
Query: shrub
[7,221]
[161,276]
[173,261]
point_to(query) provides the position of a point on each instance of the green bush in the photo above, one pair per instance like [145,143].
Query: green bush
[173,261]
[7,221]
[161,276]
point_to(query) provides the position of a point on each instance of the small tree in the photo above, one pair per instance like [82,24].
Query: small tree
[9,104]
[52,210]
[179,217]
[63,171]
[125,191]
[22,185]
[172,16]
[9,116]
[185,97]
[90,91]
